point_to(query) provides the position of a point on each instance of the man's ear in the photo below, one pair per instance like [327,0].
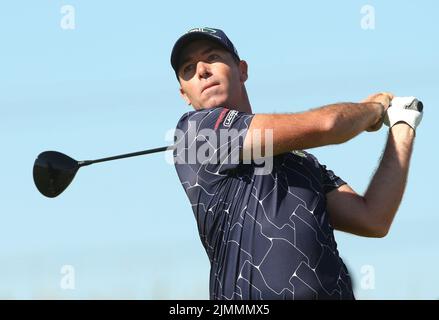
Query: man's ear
[243,71]
[184,96]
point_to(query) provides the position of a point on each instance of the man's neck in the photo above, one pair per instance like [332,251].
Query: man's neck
[244,106]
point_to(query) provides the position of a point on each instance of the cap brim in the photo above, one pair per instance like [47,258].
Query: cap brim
[187,38]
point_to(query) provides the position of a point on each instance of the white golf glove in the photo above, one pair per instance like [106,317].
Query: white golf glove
[402,109]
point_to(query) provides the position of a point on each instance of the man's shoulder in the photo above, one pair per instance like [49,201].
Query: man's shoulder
[303,154]
[197,114]
[299,159]
[193,119]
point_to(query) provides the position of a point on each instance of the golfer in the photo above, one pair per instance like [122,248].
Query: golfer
[266,219]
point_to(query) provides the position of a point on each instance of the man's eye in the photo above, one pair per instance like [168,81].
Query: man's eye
[188,68]
[213,57]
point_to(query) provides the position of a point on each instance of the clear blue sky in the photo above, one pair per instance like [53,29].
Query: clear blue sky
[107,87]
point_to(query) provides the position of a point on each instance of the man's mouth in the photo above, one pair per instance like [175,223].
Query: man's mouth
[209,86]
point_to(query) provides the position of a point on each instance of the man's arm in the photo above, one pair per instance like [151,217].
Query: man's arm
[372,214]
[332,124]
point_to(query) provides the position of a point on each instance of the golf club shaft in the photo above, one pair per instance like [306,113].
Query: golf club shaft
[121,156]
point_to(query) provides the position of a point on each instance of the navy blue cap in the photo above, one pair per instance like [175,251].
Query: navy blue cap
[212,34]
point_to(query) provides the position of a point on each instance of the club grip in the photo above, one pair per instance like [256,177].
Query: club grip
[416,105]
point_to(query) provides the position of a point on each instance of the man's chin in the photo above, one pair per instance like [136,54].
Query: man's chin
[212,103]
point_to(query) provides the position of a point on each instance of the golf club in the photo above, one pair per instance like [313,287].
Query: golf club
[53,171]
[416,105]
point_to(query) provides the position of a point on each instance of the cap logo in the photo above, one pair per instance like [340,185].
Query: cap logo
[207,30]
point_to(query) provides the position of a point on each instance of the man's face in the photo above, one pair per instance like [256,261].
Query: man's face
[210,76]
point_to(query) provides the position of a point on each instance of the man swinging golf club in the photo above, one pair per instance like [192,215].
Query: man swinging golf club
[270,235]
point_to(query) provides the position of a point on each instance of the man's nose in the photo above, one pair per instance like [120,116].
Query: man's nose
[203,70]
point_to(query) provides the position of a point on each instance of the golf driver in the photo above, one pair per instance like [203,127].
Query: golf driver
[53,171]
[416,105]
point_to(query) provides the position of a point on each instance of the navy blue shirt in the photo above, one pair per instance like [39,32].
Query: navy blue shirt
[267,236]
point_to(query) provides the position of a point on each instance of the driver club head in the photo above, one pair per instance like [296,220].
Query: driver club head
[53,171]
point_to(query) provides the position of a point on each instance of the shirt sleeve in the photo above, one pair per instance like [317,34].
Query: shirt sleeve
[330,180]
[211,140]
